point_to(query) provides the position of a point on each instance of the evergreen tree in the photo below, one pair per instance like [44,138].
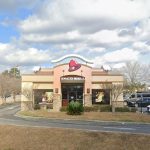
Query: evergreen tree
[13,72]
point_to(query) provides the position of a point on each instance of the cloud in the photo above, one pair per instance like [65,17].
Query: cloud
[12,55]
[117,57]
[97,49]
[28,57]
[142,47]
[70,15]
[68,37]
[119,65]
[110,37]
[125,54]
[13,5]
[142,30]
[107,31]
[65,24]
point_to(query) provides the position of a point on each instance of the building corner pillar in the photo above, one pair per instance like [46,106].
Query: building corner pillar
[87,100]
[57,102]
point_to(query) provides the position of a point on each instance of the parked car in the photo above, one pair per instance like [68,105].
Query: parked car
[144,102]
[131,103]
[148,108]
[139,100]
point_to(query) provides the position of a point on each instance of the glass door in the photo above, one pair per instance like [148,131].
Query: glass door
[72,92]
[72,95]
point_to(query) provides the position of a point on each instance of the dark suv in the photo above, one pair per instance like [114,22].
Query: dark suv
[133,98]
[139,99]
[143,102]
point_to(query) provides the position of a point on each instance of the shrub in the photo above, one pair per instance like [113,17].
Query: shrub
[36,106]
[96,107]
[63,109]
[89,109]
[105,108]
[50,106]
[133,109]
[122,109]
[75,108]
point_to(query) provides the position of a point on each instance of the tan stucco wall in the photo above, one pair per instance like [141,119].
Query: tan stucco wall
[87,100]
[27,96]
[98,85]
[107,78]
[43,86]
[26,91]
[57,102]
[37,78]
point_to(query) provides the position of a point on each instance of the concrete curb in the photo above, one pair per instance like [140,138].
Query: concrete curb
[102,121]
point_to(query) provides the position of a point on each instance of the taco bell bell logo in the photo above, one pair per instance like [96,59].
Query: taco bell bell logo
[73,65]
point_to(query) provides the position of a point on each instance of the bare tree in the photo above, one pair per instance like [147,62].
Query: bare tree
[4,87]
[132,72]
[15,86]
[27,93]
[27,104]
[115,91]
[9,86]
[146,73]
[136,75]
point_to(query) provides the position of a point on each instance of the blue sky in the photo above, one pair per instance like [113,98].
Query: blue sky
[32,33]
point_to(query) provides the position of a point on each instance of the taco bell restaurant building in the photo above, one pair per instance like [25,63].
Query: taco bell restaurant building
[73,80]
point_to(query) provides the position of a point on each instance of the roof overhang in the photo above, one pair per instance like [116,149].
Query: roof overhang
[70,56]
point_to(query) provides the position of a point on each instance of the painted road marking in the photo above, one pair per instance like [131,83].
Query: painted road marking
[10,108]
[116,128]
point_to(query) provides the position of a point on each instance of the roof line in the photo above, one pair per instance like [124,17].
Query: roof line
[72,55]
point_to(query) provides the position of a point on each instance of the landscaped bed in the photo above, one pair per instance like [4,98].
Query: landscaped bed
[102,116]
[30,138]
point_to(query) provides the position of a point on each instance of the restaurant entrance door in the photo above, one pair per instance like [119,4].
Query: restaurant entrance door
[72,92]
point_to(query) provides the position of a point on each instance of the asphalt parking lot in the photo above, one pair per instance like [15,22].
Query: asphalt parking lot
[142,109]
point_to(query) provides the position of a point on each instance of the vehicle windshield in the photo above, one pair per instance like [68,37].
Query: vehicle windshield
[146,95]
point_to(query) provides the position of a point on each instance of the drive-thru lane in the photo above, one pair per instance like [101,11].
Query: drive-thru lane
[8,117]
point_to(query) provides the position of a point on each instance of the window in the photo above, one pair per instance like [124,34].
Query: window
[138,95]
[100,96]
[38,95]
[146,95]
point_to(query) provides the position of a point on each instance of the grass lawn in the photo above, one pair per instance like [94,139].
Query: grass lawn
[105,116]
[29,138]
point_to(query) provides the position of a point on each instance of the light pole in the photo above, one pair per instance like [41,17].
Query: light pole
[141,103]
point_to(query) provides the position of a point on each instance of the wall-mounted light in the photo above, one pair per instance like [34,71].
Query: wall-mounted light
[56,90]
[88,90]
[63,72]
[81,72]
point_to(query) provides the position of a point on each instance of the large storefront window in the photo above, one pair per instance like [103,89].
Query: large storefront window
[100,96]
[72,92]
[43,95]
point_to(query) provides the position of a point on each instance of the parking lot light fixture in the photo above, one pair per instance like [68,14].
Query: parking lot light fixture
[141,103]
